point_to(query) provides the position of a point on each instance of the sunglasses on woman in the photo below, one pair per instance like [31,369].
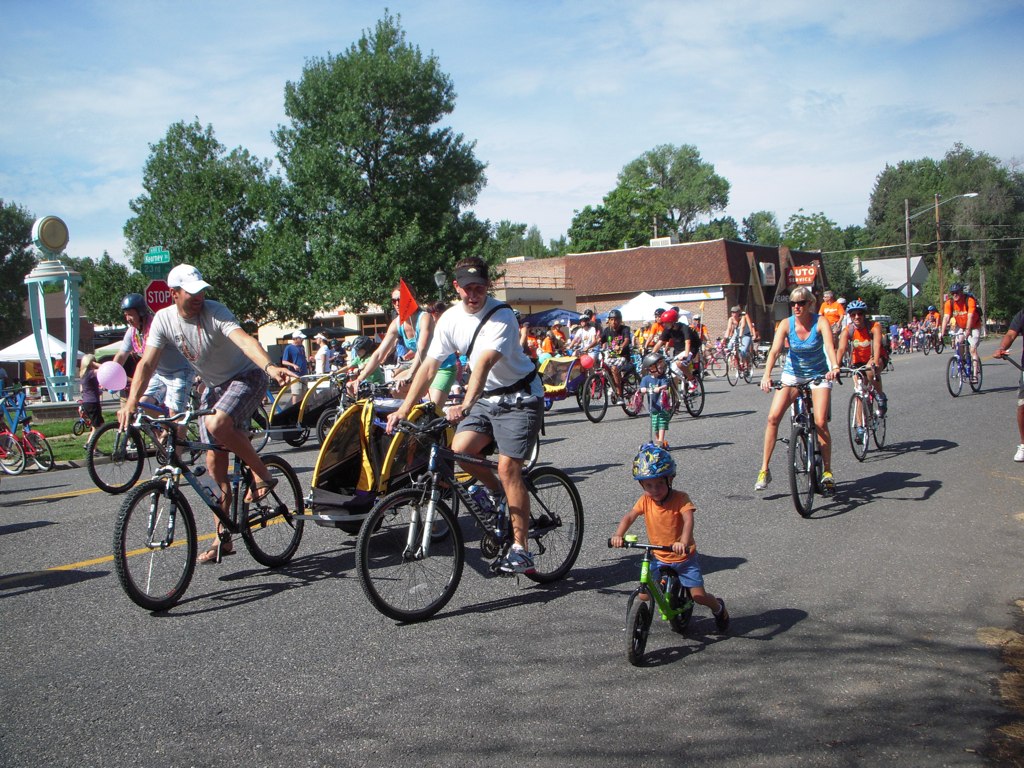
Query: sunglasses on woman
[798,303]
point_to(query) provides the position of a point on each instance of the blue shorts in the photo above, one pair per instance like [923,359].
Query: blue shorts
[688,571]
[170,391]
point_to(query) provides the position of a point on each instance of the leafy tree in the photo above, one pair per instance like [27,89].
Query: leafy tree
[762,228]
[812,232]
[17,259]
[211,208]
[378,185]
[104,284]
[589,231]
[894,305]
[716,229]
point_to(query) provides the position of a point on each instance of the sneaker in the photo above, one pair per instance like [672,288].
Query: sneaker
[763,478]
[828,483]
[722,617]
[1019,455]
[859,434]
[517,561]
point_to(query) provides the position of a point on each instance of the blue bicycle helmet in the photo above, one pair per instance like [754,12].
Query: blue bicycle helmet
[652,462]
[956,288]
[134,301]
[931,308]
[856,306]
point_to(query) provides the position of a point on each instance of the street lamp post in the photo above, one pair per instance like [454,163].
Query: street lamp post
[440,278]
[907,216]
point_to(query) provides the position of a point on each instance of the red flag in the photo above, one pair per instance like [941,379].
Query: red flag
[407,304]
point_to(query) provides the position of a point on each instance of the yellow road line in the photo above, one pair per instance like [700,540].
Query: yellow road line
[110,558]
[1007,476]
[64,495]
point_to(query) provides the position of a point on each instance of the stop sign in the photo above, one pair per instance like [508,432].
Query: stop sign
[158,295]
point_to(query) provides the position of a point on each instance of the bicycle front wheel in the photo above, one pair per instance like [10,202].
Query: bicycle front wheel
[397,577]
[732,370]
[857,422]
[556,523]
[801,470]
[271,531]
[638,627]
[155,546]
[878,431]
[632,399]
[114,458]
[954,379]
[717,366]
[595,397]
[258,434]
[42,453]
[12,457]
[693,396]
[976,378]
[78,429]
[324,424]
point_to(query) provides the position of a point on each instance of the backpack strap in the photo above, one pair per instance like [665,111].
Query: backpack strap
[486,317]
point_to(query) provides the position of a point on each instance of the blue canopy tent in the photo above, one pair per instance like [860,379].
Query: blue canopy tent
[549,316]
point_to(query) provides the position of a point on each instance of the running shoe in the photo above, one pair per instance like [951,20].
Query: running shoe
[763,478]
[828,483]
[722,617]
[859,434]
[1019,455]
[516,561]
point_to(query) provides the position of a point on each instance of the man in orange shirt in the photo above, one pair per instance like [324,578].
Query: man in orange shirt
[833,311]
[962,309]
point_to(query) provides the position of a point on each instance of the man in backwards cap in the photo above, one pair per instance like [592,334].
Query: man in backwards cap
[503,401]
[234,368]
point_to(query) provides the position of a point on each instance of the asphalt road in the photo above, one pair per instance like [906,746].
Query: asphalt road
[854,639]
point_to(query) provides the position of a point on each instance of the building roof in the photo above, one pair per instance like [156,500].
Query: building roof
[892,273]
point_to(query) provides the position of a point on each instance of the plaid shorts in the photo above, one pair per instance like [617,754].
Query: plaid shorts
[238,397]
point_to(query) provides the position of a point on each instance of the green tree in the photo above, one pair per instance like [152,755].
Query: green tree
[812,232]
[104,284]
[761,228]
[379,184]
[17,259]
[716,229]
[211,208]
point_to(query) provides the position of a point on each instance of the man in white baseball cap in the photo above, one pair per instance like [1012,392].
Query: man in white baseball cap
[233,366]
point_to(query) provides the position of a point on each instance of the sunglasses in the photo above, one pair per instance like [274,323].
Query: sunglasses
[395,299]
[856,314]
[798,303]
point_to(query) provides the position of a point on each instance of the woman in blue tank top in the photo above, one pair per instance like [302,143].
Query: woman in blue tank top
[812,356]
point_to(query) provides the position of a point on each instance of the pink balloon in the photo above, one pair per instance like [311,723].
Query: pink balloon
[112,376]
[587,362]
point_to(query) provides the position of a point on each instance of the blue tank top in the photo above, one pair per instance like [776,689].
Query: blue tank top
[412,343]
[806,358]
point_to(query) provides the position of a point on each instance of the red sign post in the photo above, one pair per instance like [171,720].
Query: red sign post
[158,295]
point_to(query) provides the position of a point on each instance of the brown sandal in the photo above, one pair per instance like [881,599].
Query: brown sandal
[259,490]
[221,548]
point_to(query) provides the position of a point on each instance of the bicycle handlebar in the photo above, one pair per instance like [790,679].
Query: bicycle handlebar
[638,545]
[185,417]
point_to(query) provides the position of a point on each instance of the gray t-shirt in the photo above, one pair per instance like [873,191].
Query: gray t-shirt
[171,364]
[203,341]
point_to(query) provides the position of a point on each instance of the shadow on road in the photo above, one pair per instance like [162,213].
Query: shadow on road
[885,485]
[17,584]
[932,446]
[19,527]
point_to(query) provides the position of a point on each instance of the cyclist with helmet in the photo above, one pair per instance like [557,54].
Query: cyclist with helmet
[684,343]
[668,517]
[585,338]
[655,330]
[171,383]
[617,343]
[961,310]
[655,386]
[864,338]
[358,362]
[740,328]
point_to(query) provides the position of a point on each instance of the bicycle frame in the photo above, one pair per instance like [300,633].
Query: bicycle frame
[651,585]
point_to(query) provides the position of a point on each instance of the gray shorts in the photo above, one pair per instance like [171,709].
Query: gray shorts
[514,423]
[238,397]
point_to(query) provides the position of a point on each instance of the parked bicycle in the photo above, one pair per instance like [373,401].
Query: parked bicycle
[410,552]
[155,539]
[866,417]
[84,422]
[804,462]
[18,424]
[962,367]
[662,590]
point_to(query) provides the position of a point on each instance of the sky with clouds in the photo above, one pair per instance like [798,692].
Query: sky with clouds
[799,104]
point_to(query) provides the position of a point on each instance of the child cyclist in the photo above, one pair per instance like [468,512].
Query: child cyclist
[655,386]
[668,515]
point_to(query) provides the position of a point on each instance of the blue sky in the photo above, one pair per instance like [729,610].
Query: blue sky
[799,104]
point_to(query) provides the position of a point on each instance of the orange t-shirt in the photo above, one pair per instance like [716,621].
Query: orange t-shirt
[961,310]
[833,311]
[665,523]
[933,318]
[860,344]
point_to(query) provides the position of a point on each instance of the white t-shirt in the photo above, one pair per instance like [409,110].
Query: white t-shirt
[324,355]
[203,341]
[454,332]
[584,338]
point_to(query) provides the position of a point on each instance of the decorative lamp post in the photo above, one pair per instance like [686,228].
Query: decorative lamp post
[50,235]
[938,241]
[440,278]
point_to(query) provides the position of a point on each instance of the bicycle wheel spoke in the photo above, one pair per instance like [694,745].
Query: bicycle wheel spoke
[271,532]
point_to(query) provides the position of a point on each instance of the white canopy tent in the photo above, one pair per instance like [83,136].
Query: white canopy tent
[25,349]
[640,309]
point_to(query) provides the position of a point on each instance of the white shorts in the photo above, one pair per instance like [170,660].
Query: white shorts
[170,391]
[789,380]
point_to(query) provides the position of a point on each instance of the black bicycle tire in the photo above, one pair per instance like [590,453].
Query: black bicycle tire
[630,385]
[681,621]
[123,550]
[296,436]
[13,449]
[732,373]
[324,424]
[259,435]
[638,628]
[278,508]
[542,539]
[78,428]
[976,385]
[881,425]
[42,448]
[953,371]
[590,384]
[533,456]
[860,449]
[132,436]
[375,538]
[693,408]
[799,444]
